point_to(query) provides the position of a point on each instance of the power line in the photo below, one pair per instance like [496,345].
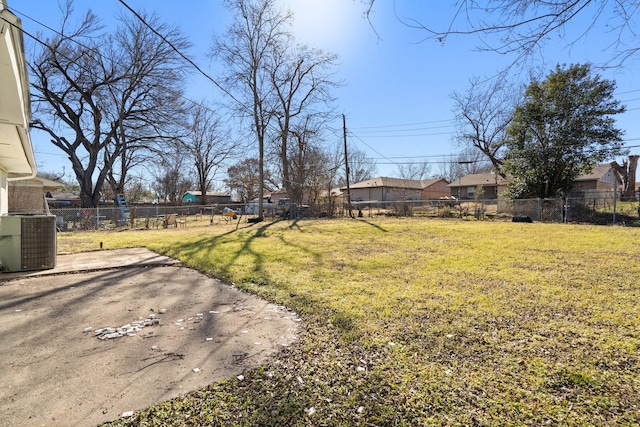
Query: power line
[75,41]
[366,132]
[403,124]
[373,149]
[182,55]
[414,135]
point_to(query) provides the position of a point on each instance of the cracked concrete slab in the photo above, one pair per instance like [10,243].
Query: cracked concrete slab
[57,372]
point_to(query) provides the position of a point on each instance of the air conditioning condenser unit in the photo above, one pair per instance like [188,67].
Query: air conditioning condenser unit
[27,242]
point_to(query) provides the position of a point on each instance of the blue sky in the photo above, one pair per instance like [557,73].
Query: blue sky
[396,95]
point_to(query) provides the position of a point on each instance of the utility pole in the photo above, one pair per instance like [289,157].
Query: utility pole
[346,164]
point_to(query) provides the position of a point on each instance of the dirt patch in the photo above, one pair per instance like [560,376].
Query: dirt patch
[57,372]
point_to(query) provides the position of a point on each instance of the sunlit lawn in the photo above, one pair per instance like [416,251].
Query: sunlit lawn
[422,322]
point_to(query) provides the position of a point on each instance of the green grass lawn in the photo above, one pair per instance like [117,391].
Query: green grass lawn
[422,322]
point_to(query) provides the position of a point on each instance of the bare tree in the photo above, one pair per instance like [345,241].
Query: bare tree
[305,162]
[318,176]
[468,161]
[98,96]
[247,50]
[627,172]
[483,115]
[361,167]
[301,79]
[414,170]
[243,179]
[170,182]
[136,189]
[207,145]
[523,27]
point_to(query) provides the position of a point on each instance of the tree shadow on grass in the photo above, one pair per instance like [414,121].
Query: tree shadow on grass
[374,225]
[191,250]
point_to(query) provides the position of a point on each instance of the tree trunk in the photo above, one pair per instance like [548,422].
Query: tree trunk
[627,172]
[633,166]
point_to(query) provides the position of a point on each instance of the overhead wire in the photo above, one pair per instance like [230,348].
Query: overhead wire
[183,56]
[367,131]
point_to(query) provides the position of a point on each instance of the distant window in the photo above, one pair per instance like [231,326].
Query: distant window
[471,191]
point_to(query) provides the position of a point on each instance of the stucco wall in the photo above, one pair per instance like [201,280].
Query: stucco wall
[4,196]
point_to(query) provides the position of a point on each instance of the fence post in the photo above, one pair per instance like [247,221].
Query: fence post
[615,199]
[97,217]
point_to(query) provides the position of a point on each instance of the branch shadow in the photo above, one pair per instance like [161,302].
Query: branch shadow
[374,225]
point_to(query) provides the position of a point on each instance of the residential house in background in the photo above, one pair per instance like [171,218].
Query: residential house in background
[466,187]
[61,199]
[30,195]
[601,178]
[433,189]
[195,197]
[385,189]
[16,152]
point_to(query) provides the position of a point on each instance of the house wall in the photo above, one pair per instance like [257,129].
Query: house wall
[402,194]
[4,193]
[435,191]
[364,194]
[490,192]
[385,194]
[219,199]
[189,198]
[593,185]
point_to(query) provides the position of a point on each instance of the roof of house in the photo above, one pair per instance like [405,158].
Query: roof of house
[597,173]
[429,182]
[490,179]
[17,157]
[384,181]
[38,181]
[65,195]
[475,179]
[209,193]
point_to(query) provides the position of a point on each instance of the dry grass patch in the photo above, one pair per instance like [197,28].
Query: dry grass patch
[424,322]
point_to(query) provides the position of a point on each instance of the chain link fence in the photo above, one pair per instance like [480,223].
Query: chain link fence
[591,208]
[597,207]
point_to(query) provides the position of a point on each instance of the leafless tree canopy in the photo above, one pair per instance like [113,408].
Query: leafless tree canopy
[414,170]
[469,160]
[522,27]
[361,167]
[281,87]
[301,82]
[103,97]
[243,179]
[207,144]
[258,27]
[170,179]
[483,115]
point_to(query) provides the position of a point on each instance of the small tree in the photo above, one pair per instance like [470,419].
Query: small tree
[483,115]
[563,128]
[171,179]
[207,145]
[361,167]
[243,179]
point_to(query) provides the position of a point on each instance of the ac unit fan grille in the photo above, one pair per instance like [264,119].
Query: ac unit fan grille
[38,241]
